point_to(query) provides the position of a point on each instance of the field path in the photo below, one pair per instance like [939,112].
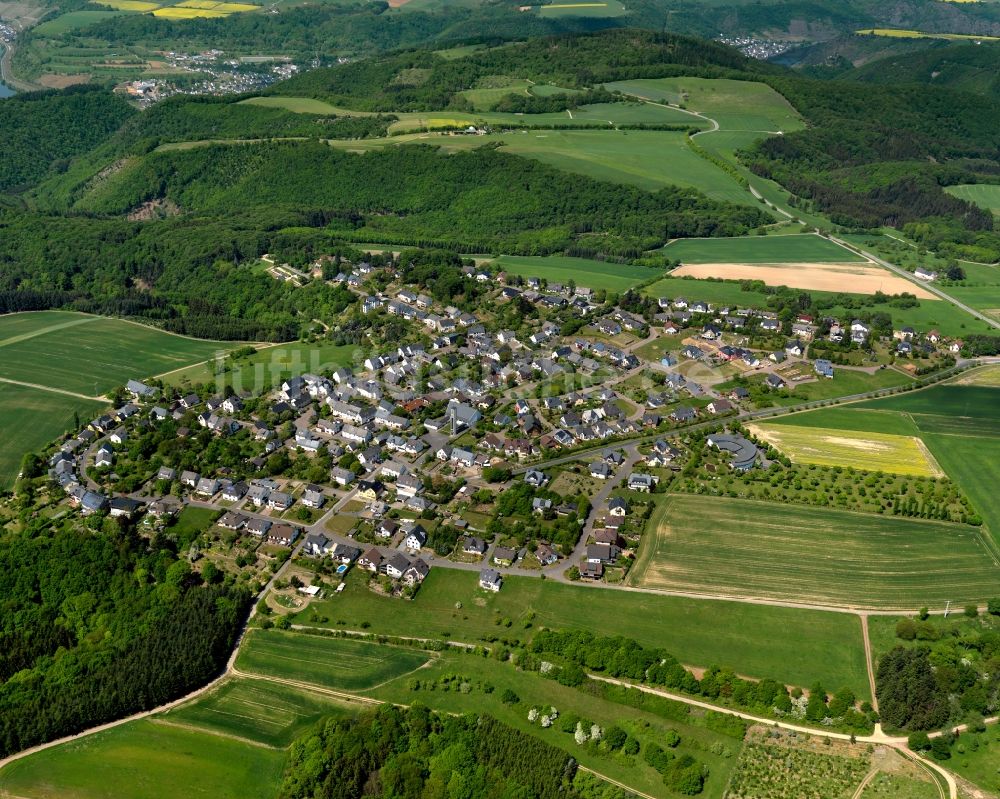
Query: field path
[864,783]
[53,390]
[50,329]
[868,658]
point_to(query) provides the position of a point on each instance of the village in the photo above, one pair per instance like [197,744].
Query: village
[468,443]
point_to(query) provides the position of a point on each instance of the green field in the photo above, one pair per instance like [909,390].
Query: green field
[817,555]
[984,195]
[90,354]
[268,366]
[824,646]
[736,105]
[30,418]
[960,424]
[72,21]
[560,269]
[258,710]
[600,8]
[648,159]
[299,105]
[796,248]
[329,662]
[872,451]
[146,760]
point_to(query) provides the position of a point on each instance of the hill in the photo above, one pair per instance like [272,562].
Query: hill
[964,66]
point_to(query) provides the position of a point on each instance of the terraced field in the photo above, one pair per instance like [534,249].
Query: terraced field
[258,710]
[336,663]
[738,547]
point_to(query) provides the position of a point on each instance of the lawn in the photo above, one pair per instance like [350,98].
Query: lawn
[30,418]
[794,248]
[328,662]
[90,354]
[267,367]
[984,195]
[845,383]
[873,451]
[584,272]
[802,645]
[258,710]
[140,760]
[817,555]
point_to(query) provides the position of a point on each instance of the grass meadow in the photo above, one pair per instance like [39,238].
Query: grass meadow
[90,354]
[712,748]
[261,711]
[817,555]
[960,424]
[30,418]
[794,248]
[146,760]
[984,195]
[74,20]
[585,272]
[803,645]
[873,451]
[328,662]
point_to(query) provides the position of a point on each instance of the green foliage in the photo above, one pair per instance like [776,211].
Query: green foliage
[133,626]
[39,130]
[414,753]
[910,695]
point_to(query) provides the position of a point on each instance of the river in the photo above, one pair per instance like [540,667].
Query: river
[5,90]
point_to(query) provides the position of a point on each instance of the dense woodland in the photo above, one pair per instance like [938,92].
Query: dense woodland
[97,623]
[40,129]
[413,753]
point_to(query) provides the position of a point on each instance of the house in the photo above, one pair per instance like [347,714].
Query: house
[416,536]
[283,535]
[473,546]
[342,477]
[600,470]
[539,505]
[617,507]
[207,487]
[710,333]
[535,478]
[904,334]
[742,452]
[344,553]
[739,393]
[190,401]
[371,560]
[119,436]
[546,555]
[794,349]
[606,536]
[124,507]
[602,553]
[642,482]
[313,497]
[416,572]
[231,520]
[504,556]
[490,580]
[190,479]
[279,500]
[683,413]
[370,489]
[316,544]
[773,381]
[105,456]
[139,390]
[396,565]
[591,571]
[258,527]
[719,406]
[234,492]
[823,368]
[93,502]
[922,273]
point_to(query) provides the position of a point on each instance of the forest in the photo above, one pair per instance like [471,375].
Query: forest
[43,129]
[97,624]
[412,753]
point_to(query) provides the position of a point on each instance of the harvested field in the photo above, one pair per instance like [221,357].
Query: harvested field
[860,278]
[63,81]
[738,547]
[876,452]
